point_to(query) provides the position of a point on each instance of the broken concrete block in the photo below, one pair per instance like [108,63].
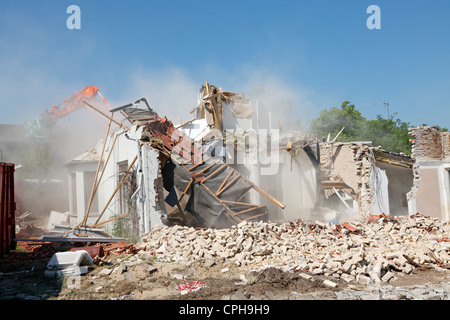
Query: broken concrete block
[408,268]
[121,268]
[177,276]
[347,278]
[347,266]
[317,271]
[209,263]
[243,280]
[363,279]
[374,277]
[62,260]
[150,268]
[105,272]
[305,276]
[128,275]
[66,272]
[388,276]
[331,284]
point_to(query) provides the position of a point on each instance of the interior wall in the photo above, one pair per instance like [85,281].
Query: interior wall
[400,183]
[298,185]
[428,199]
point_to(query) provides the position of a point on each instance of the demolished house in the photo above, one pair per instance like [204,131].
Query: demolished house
[225,166]
[229,164]
[358,178]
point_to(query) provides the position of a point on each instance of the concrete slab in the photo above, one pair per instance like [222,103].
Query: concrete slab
[63,260]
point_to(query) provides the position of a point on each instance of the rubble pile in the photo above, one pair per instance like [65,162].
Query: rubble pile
[372,251]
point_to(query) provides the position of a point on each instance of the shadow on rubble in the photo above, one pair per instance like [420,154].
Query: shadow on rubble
[22,274]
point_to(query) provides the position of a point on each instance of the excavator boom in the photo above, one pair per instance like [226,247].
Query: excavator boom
[69,105]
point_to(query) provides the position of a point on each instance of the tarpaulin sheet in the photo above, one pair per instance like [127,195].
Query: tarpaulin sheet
[210,207]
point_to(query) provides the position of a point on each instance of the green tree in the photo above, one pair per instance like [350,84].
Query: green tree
[391,134]
[333,120]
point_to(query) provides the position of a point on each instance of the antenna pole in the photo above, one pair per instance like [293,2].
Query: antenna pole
[386,103]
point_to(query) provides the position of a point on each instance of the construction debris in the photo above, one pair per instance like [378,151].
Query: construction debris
[64,264]
[373,251]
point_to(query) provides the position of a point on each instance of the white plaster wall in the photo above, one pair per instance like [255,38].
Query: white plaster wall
[151,170]
[123,150]
[298,184]
[380,192]
[432,196]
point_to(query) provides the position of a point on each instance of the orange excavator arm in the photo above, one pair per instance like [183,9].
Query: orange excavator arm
[74,102]
[69,105]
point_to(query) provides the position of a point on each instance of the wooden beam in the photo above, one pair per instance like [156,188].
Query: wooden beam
[101,112]
[198,164]
[393,162]
[224,181]
[332,184]
[265,194]
[109,220]
[248,210]
[117,188]
[231,213]
[228,184]
[241,203]
[186,190]
[215,172]
[204,169]
[93,190]
[258,215]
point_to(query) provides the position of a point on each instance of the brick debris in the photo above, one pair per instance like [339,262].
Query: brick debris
[372,251]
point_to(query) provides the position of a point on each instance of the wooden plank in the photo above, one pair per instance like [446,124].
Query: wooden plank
[186,190]
[102,113]
[264,193]
[109,220]
[248,210]
[229,184]
[224,181]
[256,216]
[198,164]
[117,188]
[203,170]
[332,184]
[241,203]
[215,172]
[231,213]
[94,185]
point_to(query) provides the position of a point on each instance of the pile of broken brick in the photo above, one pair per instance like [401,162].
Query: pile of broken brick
[372,251]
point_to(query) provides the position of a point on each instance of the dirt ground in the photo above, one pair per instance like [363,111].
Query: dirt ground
[152,279]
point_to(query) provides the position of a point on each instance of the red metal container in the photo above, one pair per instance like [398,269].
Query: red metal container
[7,209]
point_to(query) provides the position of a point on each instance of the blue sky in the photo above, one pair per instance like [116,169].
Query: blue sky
[300,56]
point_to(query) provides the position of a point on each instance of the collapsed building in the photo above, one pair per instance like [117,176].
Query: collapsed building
[361,179]
[224,166]
[358,178]
[230,164]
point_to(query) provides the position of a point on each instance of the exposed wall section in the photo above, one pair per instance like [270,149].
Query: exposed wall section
[152,184]
[376,180]
[430,194]
[427,143]
[353,163]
